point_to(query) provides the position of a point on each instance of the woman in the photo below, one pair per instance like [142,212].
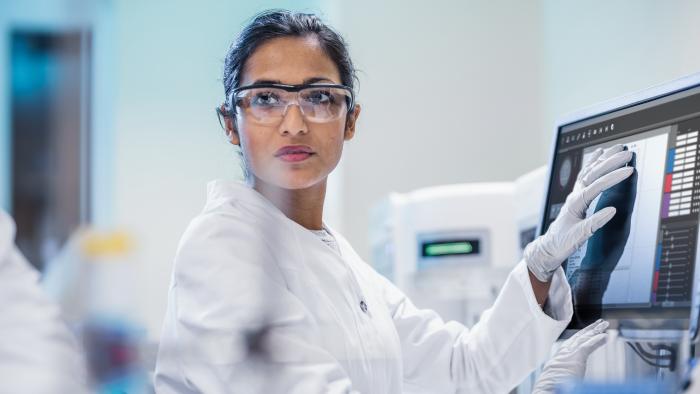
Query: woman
[266,298]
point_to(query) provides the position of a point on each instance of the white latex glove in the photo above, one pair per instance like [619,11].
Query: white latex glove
[571,228]
[570,360]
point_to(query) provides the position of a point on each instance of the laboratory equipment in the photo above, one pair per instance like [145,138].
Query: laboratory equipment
[449,248]
[528,194]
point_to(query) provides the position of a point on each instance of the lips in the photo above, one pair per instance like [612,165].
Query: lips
[294,153]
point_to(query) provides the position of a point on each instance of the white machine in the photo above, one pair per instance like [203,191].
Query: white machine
[450,248]
[528,197]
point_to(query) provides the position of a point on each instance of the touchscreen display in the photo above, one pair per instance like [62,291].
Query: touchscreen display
[641,263]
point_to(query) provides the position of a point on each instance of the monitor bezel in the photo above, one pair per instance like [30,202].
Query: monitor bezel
[632,328]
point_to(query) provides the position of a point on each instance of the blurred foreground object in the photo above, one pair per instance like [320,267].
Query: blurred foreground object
[38,354]
[92,280]
[644,386]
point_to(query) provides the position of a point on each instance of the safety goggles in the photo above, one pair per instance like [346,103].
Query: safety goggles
[267,104]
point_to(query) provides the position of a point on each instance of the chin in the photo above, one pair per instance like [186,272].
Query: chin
[296,184]
[295,180]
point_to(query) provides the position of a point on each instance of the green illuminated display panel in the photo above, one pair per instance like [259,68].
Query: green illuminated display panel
[458,247]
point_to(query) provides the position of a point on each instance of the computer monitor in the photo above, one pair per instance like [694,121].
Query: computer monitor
[638,271]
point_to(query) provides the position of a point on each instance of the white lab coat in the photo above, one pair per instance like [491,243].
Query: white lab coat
[243,264]
[38,354]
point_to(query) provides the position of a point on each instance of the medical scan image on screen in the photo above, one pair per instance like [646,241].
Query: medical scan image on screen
[601,270]
[643,260]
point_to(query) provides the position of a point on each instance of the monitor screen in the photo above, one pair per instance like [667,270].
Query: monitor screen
[639,267]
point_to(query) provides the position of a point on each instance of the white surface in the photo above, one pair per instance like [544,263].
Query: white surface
[593,51]
[451,95]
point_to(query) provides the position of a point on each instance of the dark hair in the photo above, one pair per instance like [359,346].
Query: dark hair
[282,23]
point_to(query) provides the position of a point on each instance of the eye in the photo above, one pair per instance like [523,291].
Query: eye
[264,99]
[320,97]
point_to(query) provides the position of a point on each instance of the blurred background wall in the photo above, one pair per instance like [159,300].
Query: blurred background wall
[452,91]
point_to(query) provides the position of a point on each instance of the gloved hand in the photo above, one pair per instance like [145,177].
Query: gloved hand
[604,248]
[571,228]
[570,360]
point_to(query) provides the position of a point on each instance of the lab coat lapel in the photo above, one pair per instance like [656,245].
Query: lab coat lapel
[327,269]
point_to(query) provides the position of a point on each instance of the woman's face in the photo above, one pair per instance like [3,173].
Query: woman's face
[291,61]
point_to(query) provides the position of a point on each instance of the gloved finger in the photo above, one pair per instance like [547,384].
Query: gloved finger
[598,156]
[588,332]
[609,152]
[595,155]
[589,328]
[585,228]
[593,343]
[612,163]
[595,329]
[602,326]
[589,193]
[592,159]
[597,220]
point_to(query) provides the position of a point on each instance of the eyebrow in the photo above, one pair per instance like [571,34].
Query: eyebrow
[306,81]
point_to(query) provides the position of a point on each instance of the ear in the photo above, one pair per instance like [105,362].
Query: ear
[230,126]
[351,121]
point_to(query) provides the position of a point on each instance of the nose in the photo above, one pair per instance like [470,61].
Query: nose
[293,121]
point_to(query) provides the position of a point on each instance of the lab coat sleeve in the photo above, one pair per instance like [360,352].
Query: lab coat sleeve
[510,340]
[232,326]
[38,353]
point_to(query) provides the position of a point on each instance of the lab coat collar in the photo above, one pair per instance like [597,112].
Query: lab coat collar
[222,191]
